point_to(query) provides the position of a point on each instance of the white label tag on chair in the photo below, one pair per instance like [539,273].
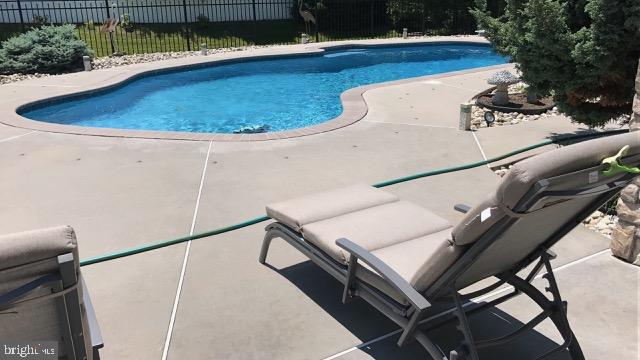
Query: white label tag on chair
[593,177]
[485,214]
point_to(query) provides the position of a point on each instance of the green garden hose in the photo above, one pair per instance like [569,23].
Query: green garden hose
[161,244]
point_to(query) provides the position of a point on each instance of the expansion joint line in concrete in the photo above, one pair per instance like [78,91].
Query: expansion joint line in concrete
[17,136]
[185,260]
[484,156]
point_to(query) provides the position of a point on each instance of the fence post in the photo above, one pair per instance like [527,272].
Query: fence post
[315,13]
[21,17]
[424,17]
[110,34]
[186,24]
[253,4]
[372,18]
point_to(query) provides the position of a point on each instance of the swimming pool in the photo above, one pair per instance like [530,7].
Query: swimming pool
[266,94]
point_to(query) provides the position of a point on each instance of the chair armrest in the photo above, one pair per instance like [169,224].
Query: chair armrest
[394,279]
[94,328]
[462,208]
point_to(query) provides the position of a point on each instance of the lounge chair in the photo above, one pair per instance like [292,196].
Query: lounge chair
[401,258]
[43,296]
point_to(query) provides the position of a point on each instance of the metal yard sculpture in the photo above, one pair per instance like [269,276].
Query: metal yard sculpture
[307,16]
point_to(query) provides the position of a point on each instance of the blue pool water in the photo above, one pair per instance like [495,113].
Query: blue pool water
[283,93]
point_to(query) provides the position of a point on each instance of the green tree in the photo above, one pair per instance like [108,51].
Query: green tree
[583,52]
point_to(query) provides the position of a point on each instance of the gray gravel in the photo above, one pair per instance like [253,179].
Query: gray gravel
[114,61]
[502,119]
[6,79]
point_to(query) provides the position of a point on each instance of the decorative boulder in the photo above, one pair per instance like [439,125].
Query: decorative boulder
[502,80]
[625,238]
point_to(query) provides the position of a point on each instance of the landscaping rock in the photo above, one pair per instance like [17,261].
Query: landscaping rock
[623,120]
[502,171]
[597,215]
[629,212]
[115,61]
[513,118]
[602,225]
[625,242]
[6,79]
[631,194]
[625,237]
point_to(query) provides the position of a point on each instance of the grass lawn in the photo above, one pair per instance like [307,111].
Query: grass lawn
[149,38]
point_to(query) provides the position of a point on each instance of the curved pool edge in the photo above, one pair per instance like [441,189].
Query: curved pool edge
[84,83]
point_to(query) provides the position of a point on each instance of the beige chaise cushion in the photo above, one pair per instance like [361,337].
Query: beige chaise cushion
[324,205]
[374,228]
[410,239]
[419,261]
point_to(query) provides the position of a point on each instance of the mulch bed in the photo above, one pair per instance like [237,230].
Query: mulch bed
[517,103]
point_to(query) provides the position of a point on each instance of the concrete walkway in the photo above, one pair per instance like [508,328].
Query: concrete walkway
[211,299]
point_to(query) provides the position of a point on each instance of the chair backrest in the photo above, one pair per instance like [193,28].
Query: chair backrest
[41,295]
[538,202]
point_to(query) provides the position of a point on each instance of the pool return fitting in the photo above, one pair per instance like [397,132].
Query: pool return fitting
[158,245]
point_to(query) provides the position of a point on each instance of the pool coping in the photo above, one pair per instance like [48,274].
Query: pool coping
[84,83]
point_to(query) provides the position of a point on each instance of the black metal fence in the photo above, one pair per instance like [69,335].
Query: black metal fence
[146,26]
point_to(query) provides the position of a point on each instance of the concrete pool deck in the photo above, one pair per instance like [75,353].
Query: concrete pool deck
[211,299]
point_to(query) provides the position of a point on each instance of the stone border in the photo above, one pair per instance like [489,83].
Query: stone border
[353,103]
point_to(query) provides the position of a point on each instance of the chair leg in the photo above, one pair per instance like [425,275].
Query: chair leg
[270,235]
[561,313]
[572,343]
[407,334]
[466,350]
[434,351]
[558,307]
[575,350]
